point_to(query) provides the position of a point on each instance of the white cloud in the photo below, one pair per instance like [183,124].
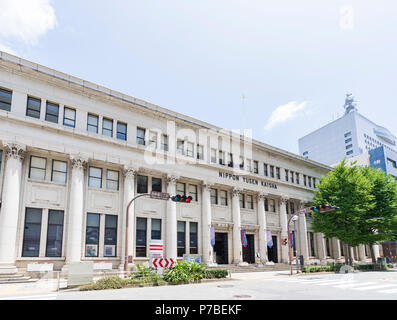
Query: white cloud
[284,113]
[7,49]
[26,20]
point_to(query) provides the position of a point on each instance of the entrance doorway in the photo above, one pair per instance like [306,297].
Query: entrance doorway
[221,248]
[272,252]
[249,250]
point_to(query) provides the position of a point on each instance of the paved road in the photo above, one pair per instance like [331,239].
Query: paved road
[258,285]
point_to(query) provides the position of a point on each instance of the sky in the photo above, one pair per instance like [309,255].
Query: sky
[281,69]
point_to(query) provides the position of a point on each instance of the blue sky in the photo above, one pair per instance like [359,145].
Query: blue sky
[294,61]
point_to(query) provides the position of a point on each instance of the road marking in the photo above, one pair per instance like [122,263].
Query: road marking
[353,284]
[376,287]
[388,291]
[335,282]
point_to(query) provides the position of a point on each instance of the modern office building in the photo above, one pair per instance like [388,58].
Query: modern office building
[73,154]
[348,136]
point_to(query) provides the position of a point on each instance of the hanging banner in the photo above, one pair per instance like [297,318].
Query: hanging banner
[244,239]
[292,239]
[269,239]
[212,236]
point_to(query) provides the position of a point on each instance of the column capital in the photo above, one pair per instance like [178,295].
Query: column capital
[171,179]
[303,202]
[284,199]
[262,196]
[207,185]
[78,161]
[15,151]
[130,171]
[236,192]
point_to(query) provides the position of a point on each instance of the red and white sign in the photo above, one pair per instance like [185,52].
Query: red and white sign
[163,263]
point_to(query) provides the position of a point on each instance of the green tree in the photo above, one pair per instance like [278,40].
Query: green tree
[349,189]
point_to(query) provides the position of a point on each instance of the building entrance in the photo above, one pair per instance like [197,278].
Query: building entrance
[272,252]
[249,250]
[221,248]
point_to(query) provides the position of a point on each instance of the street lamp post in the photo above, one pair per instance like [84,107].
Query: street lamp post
[293,218]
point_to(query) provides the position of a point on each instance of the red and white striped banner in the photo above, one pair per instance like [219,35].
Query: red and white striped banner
[163,263]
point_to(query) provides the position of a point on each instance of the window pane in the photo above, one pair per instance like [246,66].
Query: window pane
[180,188]
[92,123]
[32,231]
[54,233]
[92,235]
[59,169]
[52,112]
[38,162]
[193,238]
[121,131]
[112,180]
[141,237]
[33,108]
[156,184]
[193,191]
[69,117]
[95,178]
[5,99]
[107,127]
[156,229]
[142,183]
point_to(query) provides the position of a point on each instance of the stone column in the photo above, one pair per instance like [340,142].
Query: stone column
[237,246]
[9,213]
[208,251]
[336,249]
[262,227]
[361,253]
[376,251]
[284,228]
[304,244]
[171,222]
[129,194]
[322,250]
[76,210]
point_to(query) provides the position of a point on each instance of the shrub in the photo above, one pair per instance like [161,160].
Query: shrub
[184,272]
[112,282]
[216,273]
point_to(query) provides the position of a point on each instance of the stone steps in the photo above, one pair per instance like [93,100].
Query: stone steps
[252,268]
[15,278]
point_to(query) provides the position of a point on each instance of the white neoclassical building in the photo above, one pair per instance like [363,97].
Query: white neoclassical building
[73,154]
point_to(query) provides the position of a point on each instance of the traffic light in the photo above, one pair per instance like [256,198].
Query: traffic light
[284,241]
[179,198]
[324,208]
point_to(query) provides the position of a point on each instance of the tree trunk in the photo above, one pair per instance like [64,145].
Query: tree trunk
[372,254]
[346,254]
[350,255]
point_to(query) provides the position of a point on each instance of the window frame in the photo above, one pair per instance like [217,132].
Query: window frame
[37,168]
[65,173]
[69,119]
[94,177]
[3,101]
[48,114]
[30,98]
[89,125]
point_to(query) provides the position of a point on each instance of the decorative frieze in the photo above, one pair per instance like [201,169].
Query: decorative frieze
[78,161]
[14,151]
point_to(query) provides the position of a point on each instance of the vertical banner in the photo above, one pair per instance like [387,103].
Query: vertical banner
[212,236]
[269,239]
[292,239]
[243,238]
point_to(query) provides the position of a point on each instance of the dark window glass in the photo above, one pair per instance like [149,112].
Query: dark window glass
[156,229]
[54,233]
[121,131]
[69,117]
[141,237]
[32,231]
[311,236]
[181,238]
[52,112]
[33,108]
[266,204]
[5,99]
[265,169]
[140,136]
[272,171]
[92,235]
[278,173]
[110,236]
[142,184]
[193,238]
[92,123]
[156,184]
[107,127]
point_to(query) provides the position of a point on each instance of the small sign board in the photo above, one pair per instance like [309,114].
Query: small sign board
[192,258]
[159,195]
[81,272]
[103,266]
[39,267]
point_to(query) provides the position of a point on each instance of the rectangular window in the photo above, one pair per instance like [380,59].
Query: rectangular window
[181,243]
[32,232]
[156,184]
[5,99]
[249,165]
[107,127]
[193,237]
[214,196]
[110,241]
[121,131]
[164,142]
[292,207]
[250,202]
[92,235]
[69,117]
[54,233]
[266,204]
[213,155]
[256,169]
[230,160]
[348,153]
[95,177]
[140,136]
[241,164]
[272,204]
[142,184]
[112,180]
[309,181]
[297,178]
[193,192]
[265,173]
[141,227]
[153,139]
[314,182]
[52,112]
[348,140]
[292,176]
[37,168]
[59,171]
[272,171]
[33,108]
[304,180]
[180,146]
[348,134]
[349,146]
[92,123]
[200,152]
[311,244]
[391,163]
[278,173]
[286,175]
[190,149]
[223,197]
[242,200]
[156,229]
[181,188]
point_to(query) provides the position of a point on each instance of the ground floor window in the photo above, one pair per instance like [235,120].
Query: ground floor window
[54,233]
[32,232]
[156,229]
[141,243]
[311,244]
[181,242]
[92,235]
[193,237]
[110,242]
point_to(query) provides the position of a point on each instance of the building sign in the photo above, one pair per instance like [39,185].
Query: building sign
[256,182]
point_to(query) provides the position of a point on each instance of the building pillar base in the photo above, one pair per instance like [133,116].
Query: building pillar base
[242,264]
[8,269]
